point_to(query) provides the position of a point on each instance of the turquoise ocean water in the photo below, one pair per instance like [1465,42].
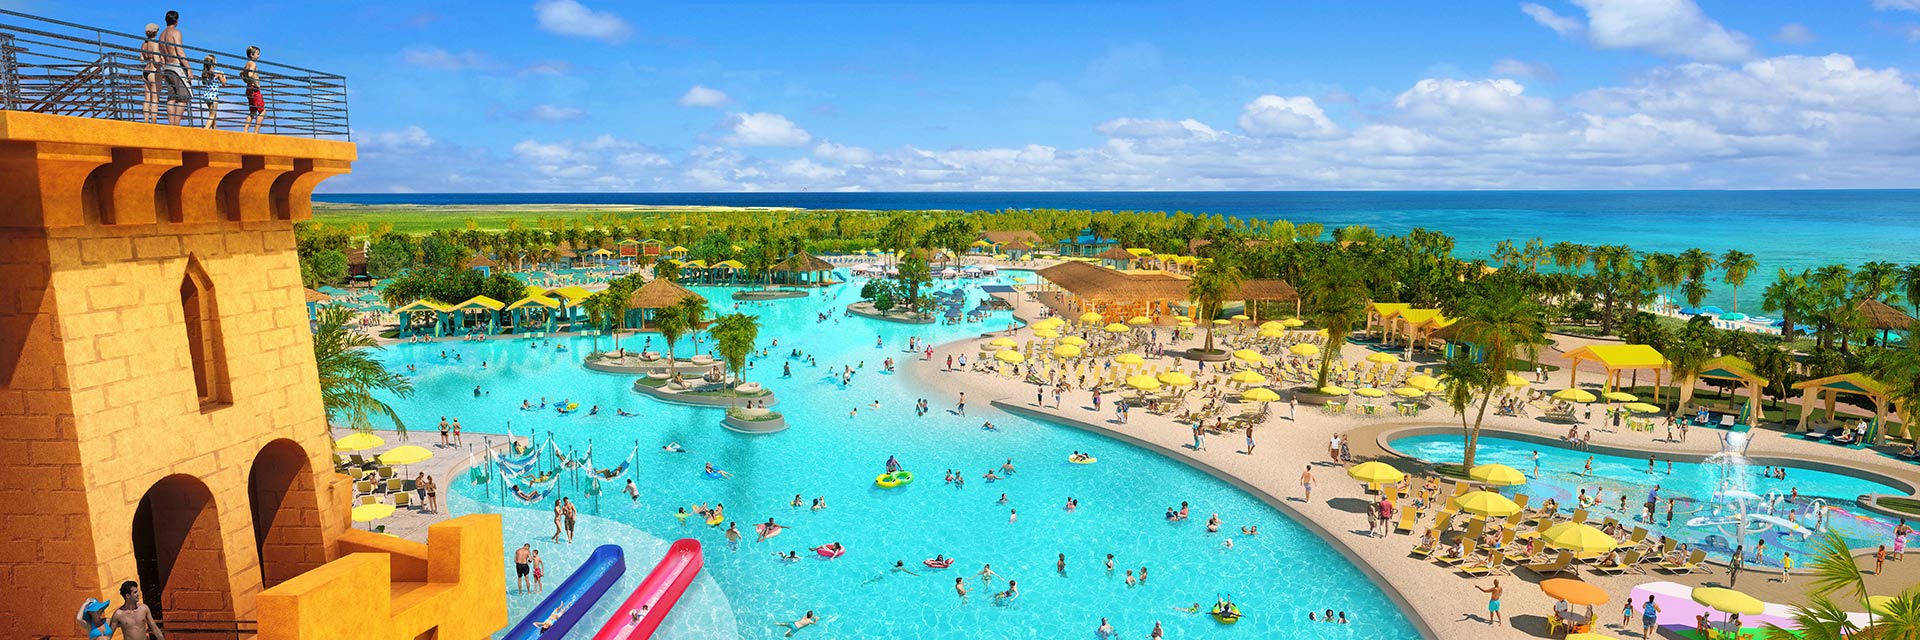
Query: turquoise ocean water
[1784,229]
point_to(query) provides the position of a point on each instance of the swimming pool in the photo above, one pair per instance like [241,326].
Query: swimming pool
[1276,577]
[1563,475]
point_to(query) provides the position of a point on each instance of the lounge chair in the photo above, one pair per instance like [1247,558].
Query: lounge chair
[1691,565]
[402,500]
[1466,551]
[370,499]
[1493,565]
[1639,537]
[1423,549]
[1579,516]
[1726,422]
[1553,567]
[1408,517]
[363,487]
[1625,562]
[1475,527]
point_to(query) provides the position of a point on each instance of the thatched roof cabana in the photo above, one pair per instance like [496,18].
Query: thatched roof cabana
[1881,316]
[660,293]
[1117,254]
[1100,284]
[1010,236]
[315,296]
[802,262]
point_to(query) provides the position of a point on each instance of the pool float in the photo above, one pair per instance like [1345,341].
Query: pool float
[938,565]
[829,553]
[896,479]
[570,408]
[763,530]
[1086,460]
[715,519]
[682,516]
[1231,616]
[714,474]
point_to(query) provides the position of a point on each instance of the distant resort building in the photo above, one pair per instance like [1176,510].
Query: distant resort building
[1153,294]
[1086,245]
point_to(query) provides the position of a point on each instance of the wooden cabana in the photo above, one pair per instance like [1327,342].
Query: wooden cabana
[1617,359]
[1116,293]
[1253,292]
[1825,392]
[1116,258]
[1018,249]
[482,305]
[1379,314]
[677,251]
[407,312]
[523,309]
[481,263]
[316,300]
[802,270]
[658,293]
[1730,368]
[570,297]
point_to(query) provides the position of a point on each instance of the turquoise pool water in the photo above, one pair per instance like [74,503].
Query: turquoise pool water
[1276,577]
[1563,474]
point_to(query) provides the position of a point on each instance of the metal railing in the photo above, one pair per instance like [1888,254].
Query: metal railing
[50,66]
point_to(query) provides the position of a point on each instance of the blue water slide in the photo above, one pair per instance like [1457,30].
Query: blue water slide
[578,593]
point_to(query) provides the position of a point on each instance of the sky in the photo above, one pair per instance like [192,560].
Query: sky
[605,95]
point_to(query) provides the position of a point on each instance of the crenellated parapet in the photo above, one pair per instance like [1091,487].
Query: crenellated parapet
[61,171]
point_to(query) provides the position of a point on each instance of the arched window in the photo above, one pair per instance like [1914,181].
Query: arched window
[203,335]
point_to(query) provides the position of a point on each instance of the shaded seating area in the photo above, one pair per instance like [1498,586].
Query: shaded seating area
[421,318]
[476,315]
[1730,369]
[656,294]
[1825,394]
[802,270]
[1886,319]
[1617,359]
[536,312]
[1115,293]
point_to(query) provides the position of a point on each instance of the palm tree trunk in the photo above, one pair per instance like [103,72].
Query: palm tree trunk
[1473,437]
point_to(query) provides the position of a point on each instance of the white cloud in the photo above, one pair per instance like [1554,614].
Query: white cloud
[1280,116]
[809,170]
[1498,103]
[443,60]
[410,138]
[1158,129]
[551,113]
[1795,33]
[1897,5]
[764,130]
[1524,69]
[570,18]
[702,96]
[1676,28]
[843,154]
[1560,24]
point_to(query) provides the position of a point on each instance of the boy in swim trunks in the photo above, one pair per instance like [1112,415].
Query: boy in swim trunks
[1493,601]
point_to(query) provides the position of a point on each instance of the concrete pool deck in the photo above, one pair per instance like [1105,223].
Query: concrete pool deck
[1437,599]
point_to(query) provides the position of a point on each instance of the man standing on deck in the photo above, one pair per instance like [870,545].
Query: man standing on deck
[521,557]
[1493,601]
[173,69]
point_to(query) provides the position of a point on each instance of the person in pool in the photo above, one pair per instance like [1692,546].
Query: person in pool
[622,412]
[1013,591]
[718,472]
[804,622]
[594,411]
[673,447]
[1250,530]
[1192,609]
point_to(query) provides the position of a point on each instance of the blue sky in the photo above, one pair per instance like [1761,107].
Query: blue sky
[596,95]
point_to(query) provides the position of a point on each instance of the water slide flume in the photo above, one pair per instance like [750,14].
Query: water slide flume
[642,613]
[577,594]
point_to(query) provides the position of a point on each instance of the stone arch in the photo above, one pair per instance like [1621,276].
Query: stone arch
[95,196]
[179,552]
[201,315]
[286,512]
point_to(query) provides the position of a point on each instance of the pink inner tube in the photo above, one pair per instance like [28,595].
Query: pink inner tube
[829,553]
[938,565]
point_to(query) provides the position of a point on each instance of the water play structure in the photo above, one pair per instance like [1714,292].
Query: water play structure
[650,603]
[576,594]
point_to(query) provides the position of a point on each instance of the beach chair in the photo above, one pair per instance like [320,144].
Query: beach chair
[1579,516]
[357,460]
[363,486]
[1475,527]
[1423,549]
[1493,565]
[1466,551]
[1408,518]
[1726,422]
[1638,538]
[1553,567]
[402,500]
[370,499]
[1691,565]
[396,485]
[1624,563]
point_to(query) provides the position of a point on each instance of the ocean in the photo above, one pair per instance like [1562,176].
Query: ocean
[1783,229]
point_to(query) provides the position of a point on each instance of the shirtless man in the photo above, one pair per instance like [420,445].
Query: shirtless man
[133,618]
[173,75]
[522,559]
[1493,600]
[802,623]
[150,74]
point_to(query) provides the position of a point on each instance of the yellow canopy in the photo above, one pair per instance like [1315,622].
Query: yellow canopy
[1143,382]
[677,249]
[1574,395]
[1066,351]
[1303,350]
[1272,324]
[1049,323]
[1487,503]
[406,454]
[601,252]
[1582,539]
[1091,317]
[1260,394]
[1620,356]
[1138,320]
[1369,392]
[1009,356]
[1273,333]
[1640,407]
[372,512]
[573,293]
[1383,358]
[1516,381]
[1423,382]
[1186,324]
[1221,322]
[535,301]
[1003,342]
[1248,377]
[1175,379]
[1333,390]
[421,305]
[1129,358]
[358,442]
[729,264]
[1619,396]
[1408,392]
[1118,328]
[1498,475]
[1375,472]
[1074,340]
[1249,355]
[1728,601]
[1045,334]
[479,302]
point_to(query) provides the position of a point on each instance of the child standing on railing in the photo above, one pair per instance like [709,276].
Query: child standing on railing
[256,101]
[208,92]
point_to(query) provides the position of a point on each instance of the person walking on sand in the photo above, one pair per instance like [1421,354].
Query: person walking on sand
[1306,484]
[1493,601]
[1199,436]
[1249,438]
[1649,614]
[962,407]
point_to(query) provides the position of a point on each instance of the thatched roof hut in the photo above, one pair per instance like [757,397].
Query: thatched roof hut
[1117,254]
[1265,289]
[802,262]
[1010,236]
[315,296]
[1881,316]
[660,293]
[1100,284]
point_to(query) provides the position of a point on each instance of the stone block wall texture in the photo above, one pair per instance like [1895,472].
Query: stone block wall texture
[104,428]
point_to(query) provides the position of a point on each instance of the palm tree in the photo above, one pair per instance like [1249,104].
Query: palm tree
[1465,378]
[1567,255]
[1685,355]
[1735,266]
[1900,368]
[734,335]
[349,374]
[1777,367]
[1208,289]
[1500,320]
[1338,301]
[672,322]
[1910,285]
[1785,295]
[1820,618]
[914,272]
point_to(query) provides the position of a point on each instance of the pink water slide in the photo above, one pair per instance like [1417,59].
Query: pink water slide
[642,613]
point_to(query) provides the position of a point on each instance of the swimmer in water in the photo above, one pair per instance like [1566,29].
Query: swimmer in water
[673,447]
[804,622]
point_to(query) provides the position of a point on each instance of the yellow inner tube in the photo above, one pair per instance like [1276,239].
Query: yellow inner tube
[715,521]
[886,481]
[1087,460]
[1232,608]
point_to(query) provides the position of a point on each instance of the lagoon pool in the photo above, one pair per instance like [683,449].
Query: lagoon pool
[1562,475]
[1275,577]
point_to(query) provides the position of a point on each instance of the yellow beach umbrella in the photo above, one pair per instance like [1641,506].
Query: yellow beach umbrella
[1260,394]
[1424,382]
[1370,392]
[1383,358]
[1728,601]
[1186,324]
[1333,390]
[1175,379]
[1573,395]
[1129,358]
[1516,381]
[1066,351]
[372,512]
[1497,474]
[1138,320]
[1050,323]
[1487,503]
[1090,317]
[1303,350]
[1409,392]
[1143,382]
[1118,328]
[1581,539]
[1640,407]
[1249,355]
[1009,356]
[1240,316]
[1620,396]
[406,454]
[1375,472]
[1074,340]
[1045,334]
[1293,322]
[1273,333]
[1273,324]
[1221,322]
[1004,343]
[358,442]
[1248,377]
[1879,604]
